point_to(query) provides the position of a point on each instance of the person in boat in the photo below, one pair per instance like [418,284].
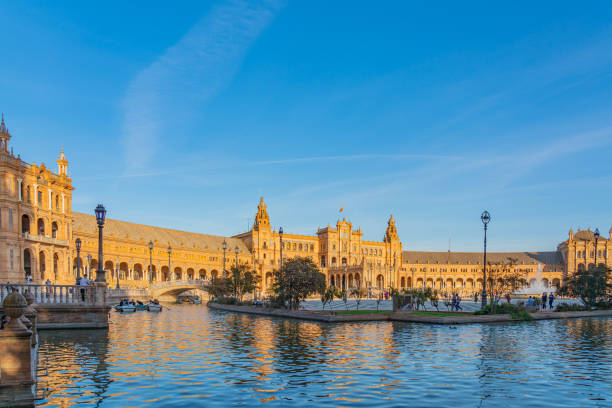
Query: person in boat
[140,303]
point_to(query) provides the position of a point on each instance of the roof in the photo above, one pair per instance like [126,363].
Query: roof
[585,235]
[474,258]
[136,232]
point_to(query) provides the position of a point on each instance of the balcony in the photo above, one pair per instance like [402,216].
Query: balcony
[44,240]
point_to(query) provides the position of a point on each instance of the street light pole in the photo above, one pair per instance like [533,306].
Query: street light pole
[78,248]
[280,234]
[596,239]
[169,270]
[88,266]
[224,249]
[485,218]
[151,262]
[117,270]
[100,216]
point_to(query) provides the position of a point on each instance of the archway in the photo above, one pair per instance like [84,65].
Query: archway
[190,274]
[556,283]
[138,272]
[380,281]
[109,267]
[343,261]
[165,273]
[124,271]
[25,224]
[350,280]
[214,274]
[27,262]
[332,282]
[178,273]
[269,280]
[357,280]
[420,283]
[41,227]
[202,274]
[402,282]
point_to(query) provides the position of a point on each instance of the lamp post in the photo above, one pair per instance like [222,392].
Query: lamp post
[596,233]
[151,262]
[236,251]
[280,234]
[485,217]
[117,273]
[88,265]
[100,216]
[224,246]
[78,248]
[169,253]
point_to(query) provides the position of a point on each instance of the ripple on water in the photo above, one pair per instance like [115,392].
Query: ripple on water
[191,356]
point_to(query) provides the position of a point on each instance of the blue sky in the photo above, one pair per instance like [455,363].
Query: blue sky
[183,114]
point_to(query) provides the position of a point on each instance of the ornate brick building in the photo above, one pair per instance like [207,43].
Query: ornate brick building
[38,230]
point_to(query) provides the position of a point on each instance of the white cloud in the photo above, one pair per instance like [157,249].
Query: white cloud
[189,73]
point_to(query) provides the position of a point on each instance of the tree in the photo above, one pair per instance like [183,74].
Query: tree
[218,287]
[358,293]
[297,279]
[505,278]
[588,285]
[328,295]
[242,280]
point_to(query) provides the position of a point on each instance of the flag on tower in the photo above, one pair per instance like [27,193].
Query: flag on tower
[342,208]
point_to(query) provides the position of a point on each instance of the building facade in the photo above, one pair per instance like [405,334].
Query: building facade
[38,230]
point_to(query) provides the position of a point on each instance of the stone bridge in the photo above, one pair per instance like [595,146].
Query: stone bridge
[175,287]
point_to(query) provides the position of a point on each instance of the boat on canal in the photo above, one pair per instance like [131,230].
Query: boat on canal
[153,307]
[125,308]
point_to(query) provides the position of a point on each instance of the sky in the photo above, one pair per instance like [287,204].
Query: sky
[183,114]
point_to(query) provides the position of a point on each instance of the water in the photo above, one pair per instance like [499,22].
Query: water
[190,356]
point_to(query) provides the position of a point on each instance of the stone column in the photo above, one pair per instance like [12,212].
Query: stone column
[63,202]
[20,183]
[18,362]
[35,194]
[50,200]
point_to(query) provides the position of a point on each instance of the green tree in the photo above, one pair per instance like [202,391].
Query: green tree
[505,278]
[588,285]
[328,295]
[297,279]
[242,280]
[358,293]
[218,287]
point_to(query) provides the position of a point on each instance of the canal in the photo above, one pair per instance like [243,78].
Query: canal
[190,356]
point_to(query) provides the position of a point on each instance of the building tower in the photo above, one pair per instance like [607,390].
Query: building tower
[62,164]
[5,136]
[393,257]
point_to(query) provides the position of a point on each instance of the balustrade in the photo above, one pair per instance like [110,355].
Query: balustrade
[52,294]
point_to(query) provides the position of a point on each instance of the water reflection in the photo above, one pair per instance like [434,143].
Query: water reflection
[189,356]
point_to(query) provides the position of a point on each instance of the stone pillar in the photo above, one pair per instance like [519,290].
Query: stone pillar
[20,184]
[31,315]
[100,293]
[35,196]
[18,362]
[63,202]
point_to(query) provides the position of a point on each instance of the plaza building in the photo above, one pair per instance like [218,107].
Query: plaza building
[38,230]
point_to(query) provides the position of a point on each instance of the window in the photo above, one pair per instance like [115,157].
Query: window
[10,219]
[334,246]
[57,202]
[311,247]
[40,198]
[11,254]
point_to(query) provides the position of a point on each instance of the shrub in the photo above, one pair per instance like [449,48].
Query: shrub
[517,313]
[566,307]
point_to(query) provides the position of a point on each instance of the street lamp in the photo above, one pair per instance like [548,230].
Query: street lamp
[151,261]
[596,233]
[78,248]
[88,265]
[100,216]
[117,270]
[280,234]
[485,218]
[169,253]
[236,251]
[224,246]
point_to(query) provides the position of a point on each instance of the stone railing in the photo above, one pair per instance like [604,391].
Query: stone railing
[43,239]
[52,294]
[180,283]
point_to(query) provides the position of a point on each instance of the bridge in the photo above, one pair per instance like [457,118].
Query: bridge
[176,287]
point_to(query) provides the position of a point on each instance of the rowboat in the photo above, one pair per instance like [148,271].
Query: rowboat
[125,308]
[154,308]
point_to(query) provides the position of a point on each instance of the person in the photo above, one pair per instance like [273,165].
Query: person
[3,321]
[544,296]
[457,302]
[551,299]
[453,302]
[530,301]
[83,282]
[508,297]
[476,297]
